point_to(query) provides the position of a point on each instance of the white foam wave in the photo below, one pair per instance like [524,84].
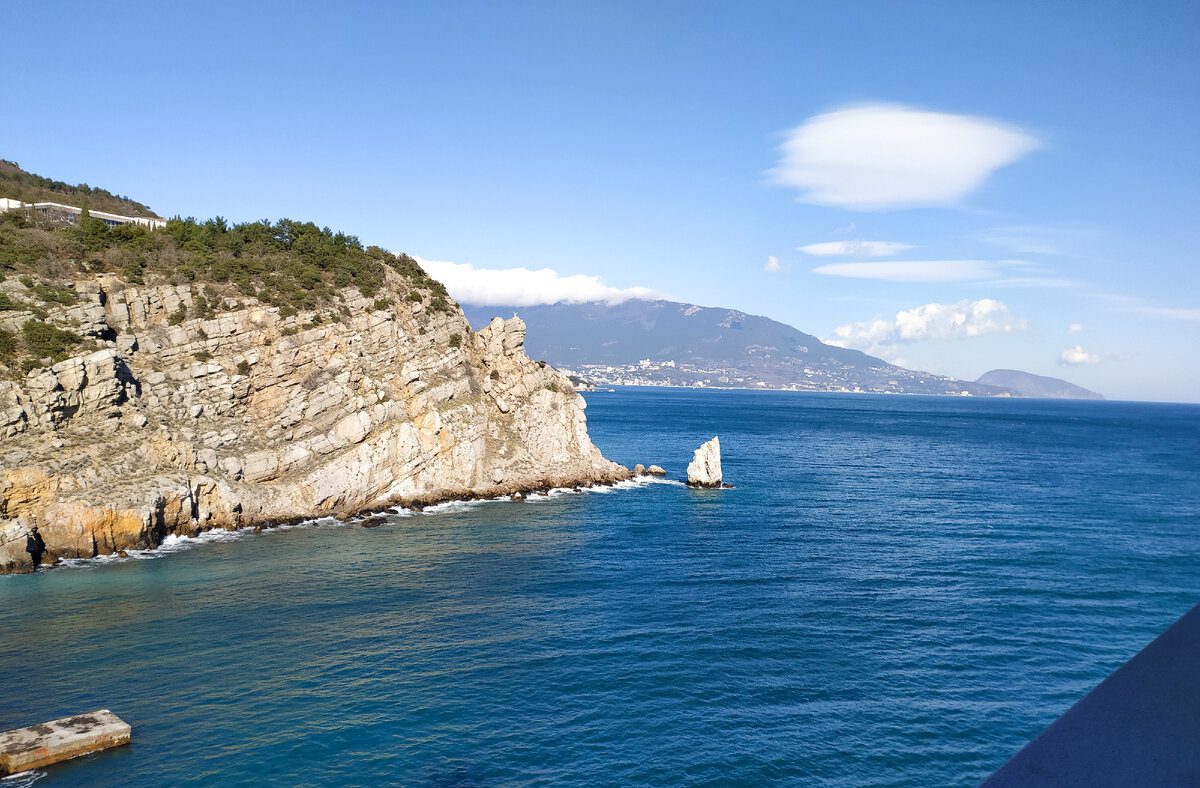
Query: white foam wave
[22,779]
[70,563]
[320,522]
[659,480]
[448,507]
[637,482]
[176,543]
[553,492]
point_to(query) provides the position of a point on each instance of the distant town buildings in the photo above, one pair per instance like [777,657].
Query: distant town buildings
[785,377]
[53,211]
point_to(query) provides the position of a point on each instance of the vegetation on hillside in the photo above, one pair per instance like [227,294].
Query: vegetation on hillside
[285,263]
[292,265]
[17,184]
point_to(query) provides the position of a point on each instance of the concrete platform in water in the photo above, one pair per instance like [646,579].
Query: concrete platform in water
[50,742]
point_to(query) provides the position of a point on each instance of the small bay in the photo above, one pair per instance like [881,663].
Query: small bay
[898,590]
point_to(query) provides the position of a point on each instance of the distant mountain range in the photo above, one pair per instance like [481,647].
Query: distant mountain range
[1029,385]
[666,343]
[641,342]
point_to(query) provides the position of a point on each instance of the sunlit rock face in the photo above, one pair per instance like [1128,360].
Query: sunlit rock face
[250,417]
[705,468]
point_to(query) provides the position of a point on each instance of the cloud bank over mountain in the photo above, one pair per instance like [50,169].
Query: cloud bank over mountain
[525,287]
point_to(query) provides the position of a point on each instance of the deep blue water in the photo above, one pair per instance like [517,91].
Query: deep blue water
[899,591]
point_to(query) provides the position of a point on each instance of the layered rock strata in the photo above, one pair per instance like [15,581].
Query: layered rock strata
[247,417]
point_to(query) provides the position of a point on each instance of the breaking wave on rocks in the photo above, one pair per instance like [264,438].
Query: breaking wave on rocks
[638,482]
[177,543]
[174,543]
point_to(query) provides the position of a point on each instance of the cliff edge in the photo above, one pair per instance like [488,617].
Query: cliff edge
[184,414]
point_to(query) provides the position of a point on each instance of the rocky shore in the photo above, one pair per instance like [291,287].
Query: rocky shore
[246,416]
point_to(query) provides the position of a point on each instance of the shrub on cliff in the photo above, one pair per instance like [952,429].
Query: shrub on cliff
[45,341]
[8,347]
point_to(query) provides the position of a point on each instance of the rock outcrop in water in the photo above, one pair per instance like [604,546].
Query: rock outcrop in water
[249,416]
[705,468]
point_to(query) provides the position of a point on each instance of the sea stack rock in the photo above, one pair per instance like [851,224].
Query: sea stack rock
[705,468]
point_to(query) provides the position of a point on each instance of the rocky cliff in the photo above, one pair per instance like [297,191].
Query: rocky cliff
[168,425]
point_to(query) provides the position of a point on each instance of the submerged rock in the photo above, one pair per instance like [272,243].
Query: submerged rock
[705,468]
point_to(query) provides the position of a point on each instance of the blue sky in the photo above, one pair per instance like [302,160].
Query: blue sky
[989,184]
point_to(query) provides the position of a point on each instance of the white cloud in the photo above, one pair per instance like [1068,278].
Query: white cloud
[931,322]
[1191,315]
[912,270]
[1078,357]
[1074,328]
[887,156]
[855,248]
[772,263]
[523,287]
[1031,239]
[994,273]
[1033,281]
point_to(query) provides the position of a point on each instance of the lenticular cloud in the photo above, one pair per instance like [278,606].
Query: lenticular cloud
[885,156]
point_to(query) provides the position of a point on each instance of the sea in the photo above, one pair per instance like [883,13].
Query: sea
[897,591]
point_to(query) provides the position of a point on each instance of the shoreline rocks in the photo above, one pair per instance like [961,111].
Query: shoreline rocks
[652,470]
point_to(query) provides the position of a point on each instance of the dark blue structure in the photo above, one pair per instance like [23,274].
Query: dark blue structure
[1140,727]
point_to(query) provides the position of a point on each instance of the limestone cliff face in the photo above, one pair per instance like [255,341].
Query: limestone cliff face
[250,417]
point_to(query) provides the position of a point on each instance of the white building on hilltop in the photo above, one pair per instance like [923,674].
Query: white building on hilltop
[70,213]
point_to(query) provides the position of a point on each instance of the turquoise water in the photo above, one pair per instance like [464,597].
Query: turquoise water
[899,591]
